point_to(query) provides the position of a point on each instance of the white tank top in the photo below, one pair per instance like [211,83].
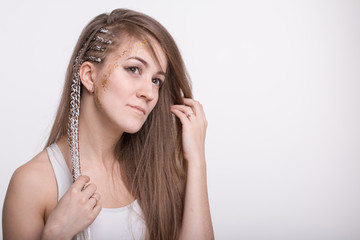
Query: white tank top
[111,223]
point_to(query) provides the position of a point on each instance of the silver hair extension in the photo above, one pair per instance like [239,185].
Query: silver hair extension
[103,30]
[102,40]
[73,126]
[92,58]
[98,48]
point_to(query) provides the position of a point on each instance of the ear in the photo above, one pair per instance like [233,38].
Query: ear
[87,75]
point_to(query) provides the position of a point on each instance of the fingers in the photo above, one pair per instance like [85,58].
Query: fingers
[193,104]
[196,106]
[94,200]
[188,111]
[183,118]
[89,190]
[97,208]
[80,182]
[78,208]
[191,107]
[96,196]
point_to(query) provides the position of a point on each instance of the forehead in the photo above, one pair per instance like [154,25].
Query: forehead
[147,48]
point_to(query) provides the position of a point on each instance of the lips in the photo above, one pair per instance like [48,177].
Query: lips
[138,108]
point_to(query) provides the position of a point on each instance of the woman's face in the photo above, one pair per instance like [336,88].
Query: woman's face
[127,86]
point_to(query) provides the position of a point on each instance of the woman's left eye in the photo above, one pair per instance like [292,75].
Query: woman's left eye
[157,82]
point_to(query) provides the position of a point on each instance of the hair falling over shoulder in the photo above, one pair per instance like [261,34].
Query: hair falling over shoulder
[152,159]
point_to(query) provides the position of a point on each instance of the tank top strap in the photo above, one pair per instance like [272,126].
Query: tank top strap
[61,171]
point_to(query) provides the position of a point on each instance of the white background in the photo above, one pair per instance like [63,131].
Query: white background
[280,83]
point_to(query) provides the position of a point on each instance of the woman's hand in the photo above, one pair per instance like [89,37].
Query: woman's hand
[76,210]
[194,123]
[196,223]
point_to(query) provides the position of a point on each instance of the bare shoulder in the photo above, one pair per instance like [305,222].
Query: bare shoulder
[35,176]
[31,195]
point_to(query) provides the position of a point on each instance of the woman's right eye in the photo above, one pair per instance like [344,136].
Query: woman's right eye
[135,70]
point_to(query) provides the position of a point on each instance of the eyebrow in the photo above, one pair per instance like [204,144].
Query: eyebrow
[145,63]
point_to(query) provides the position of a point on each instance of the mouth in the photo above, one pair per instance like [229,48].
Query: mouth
[138,109]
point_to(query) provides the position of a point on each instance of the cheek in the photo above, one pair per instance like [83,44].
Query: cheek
[118,91]
[109,92]
[155,100]
[104,83]
[120,86]
[105,78]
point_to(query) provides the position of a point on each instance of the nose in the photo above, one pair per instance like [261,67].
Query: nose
[146,90]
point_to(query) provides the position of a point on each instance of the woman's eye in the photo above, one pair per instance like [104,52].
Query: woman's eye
[157,82]
[134,70]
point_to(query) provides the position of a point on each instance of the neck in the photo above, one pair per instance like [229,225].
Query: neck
[97,140]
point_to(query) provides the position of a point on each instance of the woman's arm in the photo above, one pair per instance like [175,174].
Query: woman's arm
[24,205]
[32,192]
[196,219]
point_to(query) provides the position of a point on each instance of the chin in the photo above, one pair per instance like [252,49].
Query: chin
[130,125]
[133,129]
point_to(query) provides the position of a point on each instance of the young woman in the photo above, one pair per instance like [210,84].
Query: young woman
[138,136]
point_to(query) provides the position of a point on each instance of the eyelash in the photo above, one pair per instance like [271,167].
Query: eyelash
[133,69]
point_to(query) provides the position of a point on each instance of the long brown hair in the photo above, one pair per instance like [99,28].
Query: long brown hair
[152,159]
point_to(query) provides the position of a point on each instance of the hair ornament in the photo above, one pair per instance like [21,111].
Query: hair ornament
[98,48]
[102,40]
[92,59]
[104,30]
